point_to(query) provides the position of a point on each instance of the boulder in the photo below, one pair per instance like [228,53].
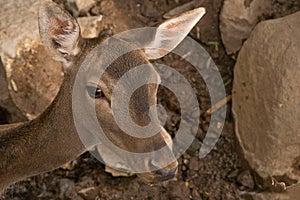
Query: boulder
[18,21]
[266,98]
[237,19]
[30,79]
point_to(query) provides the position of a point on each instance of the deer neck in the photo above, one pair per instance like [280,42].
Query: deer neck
[42,144]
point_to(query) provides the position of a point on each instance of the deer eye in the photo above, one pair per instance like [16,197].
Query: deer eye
[95,92]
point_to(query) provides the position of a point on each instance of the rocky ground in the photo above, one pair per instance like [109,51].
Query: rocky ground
[222,174]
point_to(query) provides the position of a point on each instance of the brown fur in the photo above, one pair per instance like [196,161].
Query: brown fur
[48,142]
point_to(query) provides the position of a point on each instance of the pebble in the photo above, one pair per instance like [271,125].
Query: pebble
[245,179]
[194,164]
[148,9]
[89,193]
[84,5]
[89,26]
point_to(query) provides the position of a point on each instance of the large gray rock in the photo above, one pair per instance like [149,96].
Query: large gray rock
[237,19]
[266,98]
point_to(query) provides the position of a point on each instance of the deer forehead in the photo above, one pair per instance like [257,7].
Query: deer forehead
[106,67]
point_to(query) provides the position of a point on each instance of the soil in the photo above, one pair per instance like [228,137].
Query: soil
[222,174]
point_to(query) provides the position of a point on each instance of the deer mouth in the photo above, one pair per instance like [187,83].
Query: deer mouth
[160,175]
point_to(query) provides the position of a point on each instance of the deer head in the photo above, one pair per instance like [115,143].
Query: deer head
[48,142]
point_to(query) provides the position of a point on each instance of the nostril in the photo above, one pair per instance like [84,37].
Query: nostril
[168,173]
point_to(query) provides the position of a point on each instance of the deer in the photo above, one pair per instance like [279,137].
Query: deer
[50,140]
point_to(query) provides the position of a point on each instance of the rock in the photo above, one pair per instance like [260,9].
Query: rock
[148,9]
[196,194]
[89,193]
[89,26]
[16,27]
[86,181]
[7,102]
[245,179]
[32,78]
[116,173]
[72,8]
[66,186]
[182,8]
[178,190]
[84,5]
[195,163]
[96,10]
[266,101]
[237,19]
[69,165]
[292,193]
[233,175]
[194,147]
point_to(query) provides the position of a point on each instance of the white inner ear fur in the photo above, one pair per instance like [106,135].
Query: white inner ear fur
[59,32]
[170,33]
[69,39]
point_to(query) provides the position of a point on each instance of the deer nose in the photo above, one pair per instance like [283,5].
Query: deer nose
[165,174]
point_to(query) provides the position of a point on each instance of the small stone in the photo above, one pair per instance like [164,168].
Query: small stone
[194,164]
[89,26]
[196,194]
[178,190]
[89,193]
[148,9]
[186,161]
[69,165]
[64,185]
[182,8]
[84,5]
[237,19]
[194,147]
[245,179]
[200,134]
[86,182]
[116,173]
[233,175]
[96,10]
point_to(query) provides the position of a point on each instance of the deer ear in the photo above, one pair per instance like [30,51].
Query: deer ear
[59,32]
[171,32]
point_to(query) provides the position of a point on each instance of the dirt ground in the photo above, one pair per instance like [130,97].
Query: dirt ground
[222,174]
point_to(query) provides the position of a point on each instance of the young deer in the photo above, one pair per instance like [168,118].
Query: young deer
[50,141]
